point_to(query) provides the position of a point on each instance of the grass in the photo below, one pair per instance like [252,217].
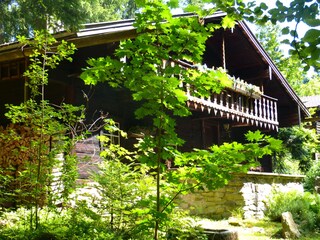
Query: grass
[254,229]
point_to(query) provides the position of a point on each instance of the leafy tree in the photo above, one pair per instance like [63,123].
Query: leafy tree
[106,10]
[307,12]
[48,125]
[22,17]
[155,75]
[301,144]
[300,12]
[309,182]
[304,83]
[269,36]
[17,19]
[311,86]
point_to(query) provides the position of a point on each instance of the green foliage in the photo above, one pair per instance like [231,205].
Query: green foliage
[103,10]
[49,127]
[56,15]
[17,19]
[306,47]
[305,208]
[153,74]
[311,86]
[74,223]
[126,197]
[291,67]
[301,143]
[311,175]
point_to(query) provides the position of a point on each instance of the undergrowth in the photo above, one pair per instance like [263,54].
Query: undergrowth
[305,208]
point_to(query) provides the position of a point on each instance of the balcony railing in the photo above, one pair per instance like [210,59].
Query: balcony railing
[242,102]
[229,104]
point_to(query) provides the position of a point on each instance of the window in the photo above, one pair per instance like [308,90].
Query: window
[12,70]
[114,137]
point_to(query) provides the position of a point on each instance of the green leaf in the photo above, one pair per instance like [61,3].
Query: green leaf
[312,22]
[173,3]
[285,30]
[254,136]
[311,35]
[263,6]
[228,22]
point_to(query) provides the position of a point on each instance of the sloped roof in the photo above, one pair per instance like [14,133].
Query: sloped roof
[106,32]
[311,101]
[274,68]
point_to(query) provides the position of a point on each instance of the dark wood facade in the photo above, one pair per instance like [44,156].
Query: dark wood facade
[222,117]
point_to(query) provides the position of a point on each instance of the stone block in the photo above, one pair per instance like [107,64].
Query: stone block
[289,227]
[207,194]
[234,197]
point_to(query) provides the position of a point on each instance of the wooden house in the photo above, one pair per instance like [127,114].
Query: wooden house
[261,97]
[313,102]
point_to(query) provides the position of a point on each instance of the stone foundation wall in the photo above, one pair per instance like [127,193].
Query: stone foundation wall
[246,192]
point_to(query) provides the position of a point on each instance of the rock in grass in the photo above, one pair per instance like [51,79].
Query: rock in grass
[234,221]
[289,227]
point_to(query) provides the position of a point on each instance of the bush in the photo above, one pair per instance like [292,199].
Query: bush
[83,223]
[305,208]
[73,223]
[309,181]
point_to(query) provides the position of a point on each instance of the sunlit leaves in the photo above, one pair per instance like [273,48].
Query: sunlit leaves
[163,62]
[46,55]
[298,12]
[228,22]
[301,143]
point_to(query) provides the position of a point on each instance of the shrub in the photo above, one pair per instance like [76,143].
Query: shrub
[305,208]
[73,223]
[309,181]
[299,144]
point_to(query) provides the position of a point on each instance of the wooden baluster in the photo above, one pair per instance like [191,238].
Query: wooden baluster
[232,101]
[209,107]
[268,109]
[247,109]
[227,100]
[237,103]
[221,99]
[215,98]
[275,112]
[264,107]
[256,102]
[271,110]
[260,108]
[242,103]
[188,89]
[247,105]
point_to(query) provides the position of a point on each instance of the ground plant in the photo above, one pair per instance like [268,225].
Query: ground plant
[299,146]
[309,183]
[305,208]
[38,133]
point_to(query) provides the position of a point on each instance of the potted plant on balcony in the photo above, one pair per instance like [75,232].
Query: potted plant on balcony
[244,88]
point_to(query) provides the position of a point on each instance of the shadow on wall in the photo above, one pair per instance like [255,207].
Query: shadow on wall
[245,192]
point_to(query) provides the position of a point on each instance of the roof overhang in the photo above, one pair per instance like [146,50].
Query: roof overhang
[265,56]
[106,32]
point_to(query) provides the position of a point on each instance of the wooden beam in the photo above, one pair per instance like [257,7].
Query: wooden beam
[87,41]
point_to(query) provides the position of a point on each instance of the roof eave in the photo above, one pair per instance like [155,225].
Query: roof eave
[274,68]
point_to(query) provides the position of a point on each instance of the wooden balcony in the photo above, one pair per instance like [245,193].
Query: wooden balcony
[241,102]
[230,104]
